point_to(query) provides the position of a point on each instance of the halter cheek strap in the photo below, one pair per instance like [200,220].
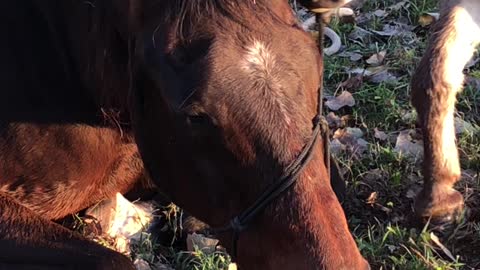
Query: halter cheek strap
[240,222]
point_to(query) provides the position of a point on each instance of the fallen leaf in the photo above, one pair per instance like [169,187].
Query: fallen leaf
[362,143]
[353,56]
[377,58]
[351,139]
[380,13]
[408,147]
[369,71]
[393,29]
[336,147]
[344,99]
[161,266]
[205,244]
[427,19]
[360,34]
[372,198]
[374,175]
[462,126]
[360,71]
[348,134]
[398,5]
[333,120]
[383,76]
[352,84]
[409,116]
[380,134]
[411,194]
[141,264]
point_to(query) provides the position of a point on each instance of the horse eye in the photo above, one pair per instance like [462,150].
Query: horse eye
[187,54]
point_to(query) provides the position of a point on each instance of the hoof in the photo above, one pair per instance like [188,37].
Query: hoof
[442,210]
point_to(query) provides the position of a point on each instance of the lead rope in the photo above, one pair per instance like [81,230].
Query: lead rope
[320,128]
[325,128]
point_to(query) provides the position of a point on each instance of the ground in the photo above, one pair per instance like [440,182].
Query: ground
[377,142]
[379,145]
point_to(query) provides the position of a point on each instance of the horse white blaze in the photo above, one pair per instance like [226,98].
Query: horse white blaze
[260,63]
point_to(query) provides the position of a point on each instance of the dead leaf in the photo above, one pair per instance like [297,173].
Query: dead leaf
[382,136]
[351,139]
[462,126]
[380,13]
[398,5]
[360,34]
[348,134]
[205,244]
[353,56]
[336,147]
[411,194]
[374,175]
[360,71]
[362,143]
[377,58]
[141,264]
[372,199]
[393,29]
[383,76]
[427,19]
[408,147]
[369,71]
[352,84]
[161,266]
[409,116]
[344,99]
[333,120]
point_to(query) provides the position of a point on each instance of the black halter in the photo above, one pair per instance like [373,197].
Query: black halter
[320,128]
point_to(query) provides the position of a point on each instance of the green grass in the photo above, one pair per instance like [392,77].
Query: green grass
[381,183]
[199,260]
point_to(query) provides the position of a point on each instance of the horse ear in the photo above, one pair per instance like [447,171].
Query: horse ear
[127,14]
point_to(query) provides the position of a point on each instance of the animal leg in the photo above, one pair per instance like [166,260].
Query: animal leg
[435,85]
[27,241]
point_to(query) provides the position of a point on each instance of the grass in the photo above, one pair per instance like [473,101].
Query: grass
[382,183]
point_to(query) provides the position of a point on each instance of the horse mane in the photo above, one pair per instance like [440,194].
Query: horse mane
[186,13]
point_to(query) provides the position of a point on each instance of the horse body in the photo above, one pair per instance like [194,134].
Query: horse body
[213,98]
[435,84]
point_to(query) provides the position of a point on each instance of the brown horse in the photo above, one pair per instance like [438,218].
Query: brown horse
[218,96]
[435,85]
